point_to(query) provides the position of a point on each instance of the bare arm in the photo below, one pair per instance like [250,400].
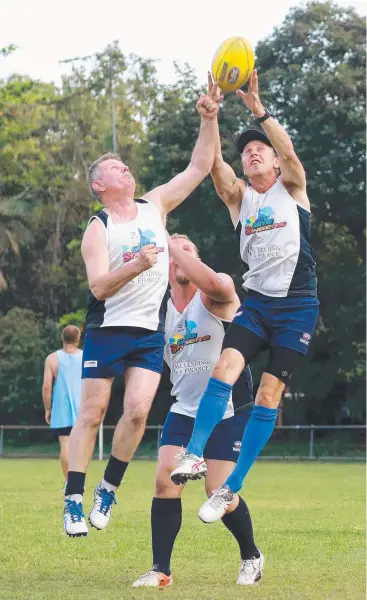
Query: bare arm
[217,286]
[292,172]
[49,377]
[102,283]
[170,195]
[229,187]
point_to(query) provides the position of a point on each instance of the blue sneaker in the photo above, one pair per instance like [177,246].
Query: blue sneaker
[100,514]
[74,521]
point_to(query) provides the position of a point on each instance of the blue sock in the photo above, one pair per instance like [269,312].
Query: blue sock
[257,432]
[211,411]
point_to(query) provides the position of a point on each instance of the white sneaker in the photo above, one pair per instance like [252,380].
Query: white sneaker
[190,467]
[216,506]
[74,521]
[154,579]
[251,571]
[100,514]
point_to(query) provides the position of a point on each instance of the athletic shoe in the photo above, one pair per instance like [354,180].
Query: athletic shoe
[190,467]
[251,571]
[216,506]
[74,521]
[100,514]
[154,579]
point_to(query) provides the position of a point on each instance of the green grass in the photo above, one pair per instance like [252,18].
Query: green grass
[308,520]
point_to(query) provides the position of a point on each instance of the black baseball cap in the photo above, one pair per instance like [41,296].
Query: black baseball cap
[251,135]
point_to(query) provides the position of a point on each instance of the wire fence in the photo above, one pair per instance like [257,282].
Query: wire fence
[289,442]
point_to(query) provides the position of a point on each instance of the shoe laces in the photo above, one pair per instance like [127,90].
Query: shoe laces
[182,454]
[105,501]
[75,511]
[219,496]
[148,575]
[248,566]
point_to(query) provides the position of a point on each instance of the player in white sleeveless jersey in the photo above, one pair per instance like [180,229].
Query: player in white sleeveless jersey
[201,305]
[125,252]
[271,215]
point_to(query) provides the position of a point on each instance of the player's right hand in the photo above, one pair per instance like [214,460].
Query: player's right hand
[48,417]
[147,257]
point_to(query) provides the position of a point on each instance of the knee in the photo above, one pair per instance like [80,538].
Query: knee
[136,418]
[91,418]
[221,370]
[266,397]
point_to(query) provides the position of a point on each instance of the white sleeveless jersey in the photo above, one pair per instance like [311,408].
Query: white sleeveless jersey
[193,343]
[274,233]
[138,303]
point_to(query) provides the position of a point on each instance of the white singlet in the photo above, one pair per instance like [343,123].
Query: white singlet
[193,343]
[138,303]
[274,233]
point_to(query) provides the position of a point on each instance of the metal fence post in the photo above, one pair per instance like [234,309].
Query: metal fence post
[311,453]
[100,442]
[1,440]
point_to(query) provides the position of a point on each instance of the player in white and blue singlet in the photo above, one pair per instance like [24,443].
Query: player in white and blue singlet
[125,252]
[62,390]
[202,304]
[271,215]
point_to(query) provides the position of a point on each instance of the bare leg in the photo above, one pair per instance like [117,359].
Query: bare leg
[95,398]
[141,386]
[64,454]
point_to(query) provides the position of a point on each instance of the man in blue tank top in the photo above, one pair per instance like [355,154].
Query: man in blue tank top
[271,215]
[62,390]
[125,253]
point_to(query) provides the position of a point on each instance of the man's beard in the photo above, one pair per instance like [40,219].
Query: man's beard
[182,280]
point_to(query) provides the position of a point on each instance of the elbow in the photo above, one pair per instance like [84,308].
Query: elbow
[98,292]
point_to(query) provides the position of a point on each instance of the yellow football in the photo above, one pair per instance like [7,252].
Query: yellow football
[233,63]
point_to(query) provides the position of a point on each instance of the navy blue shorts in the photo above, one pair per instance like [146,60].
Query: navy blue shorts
[108,351]
[286,322]
[224,442]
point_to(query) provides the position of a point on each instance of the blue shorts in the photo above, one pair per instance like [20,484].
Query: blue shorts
[224,442]
[287,322]
[109,350]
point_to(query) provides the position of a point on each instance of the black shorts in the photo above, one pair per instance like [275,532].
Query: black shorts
[59,431]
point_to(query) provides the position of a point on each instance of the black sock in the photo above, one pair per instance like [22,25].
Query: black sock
[240,525]
[166,518]
[75,483]
[115,471]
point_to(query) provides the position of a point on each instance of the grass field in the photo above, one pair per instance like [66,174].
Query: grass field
[309,522]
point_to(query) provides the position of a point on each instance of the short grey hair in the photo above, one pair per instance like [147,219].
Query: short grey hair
[93,171]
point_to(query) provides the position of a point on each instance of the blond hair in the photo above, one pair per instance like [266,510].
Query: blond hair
[71,334]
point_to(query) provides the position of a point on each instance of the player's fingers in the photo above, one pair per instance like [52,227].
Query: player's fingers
[210,81]
[241,94]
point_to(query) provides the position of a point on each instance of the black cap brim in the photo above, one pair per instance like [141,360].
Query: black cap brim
[251,135]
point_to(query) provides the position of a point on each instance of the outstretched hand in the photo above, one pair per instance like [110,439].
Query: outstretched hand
[208,104]
[252,98]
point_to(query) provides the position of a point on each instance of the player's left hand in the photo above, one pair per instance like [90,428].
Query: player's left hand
[48,417]
[252,98]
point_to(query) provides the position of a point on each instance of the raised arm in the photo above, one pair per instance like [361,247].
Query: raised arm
[292,172]
[171,194]
[49,377]
[103,283]
[217,286]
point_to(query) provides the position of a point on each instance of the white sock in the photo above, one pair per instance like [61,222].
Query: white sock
[108,486]
[78,498]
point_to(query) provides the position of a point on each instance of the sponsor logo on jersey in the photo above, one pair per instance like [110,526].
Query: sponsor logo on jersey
[264,221]
[179,340]
[145,238]
[305,339]
[237,446]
